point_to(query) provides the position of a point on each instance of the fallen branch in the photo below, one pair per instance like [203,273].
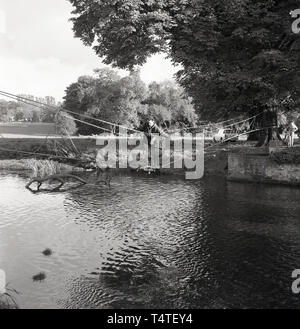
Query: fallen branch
[53,178]
[102,176]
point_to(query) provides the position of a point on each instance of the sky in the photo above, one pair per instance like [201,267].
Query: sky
[40,56]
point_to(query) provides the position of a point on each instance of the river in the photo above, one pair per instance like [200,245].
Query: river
[151,242]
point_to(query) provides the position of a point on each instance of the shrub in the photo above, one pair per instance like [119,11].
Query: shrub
[65,124]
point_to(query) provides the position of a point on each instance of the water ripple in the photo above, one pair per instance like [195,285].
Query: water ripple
[151,242]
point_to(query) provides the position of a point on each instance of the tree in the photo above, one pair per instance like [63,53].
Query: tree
[119,101]
[19,116]
[107,97]
[79,97]
[35,116]
[9,109]
[48,115]
[238,56]
[65,124]
[3,111]
[168,103]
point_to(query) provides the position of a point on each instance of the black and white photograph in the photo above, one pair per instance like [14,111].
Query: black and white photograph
[149,157]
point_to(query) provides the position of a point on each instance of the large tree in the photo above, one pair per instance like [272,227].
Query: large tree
[107,97]
[238,56]
[168,103]
[118,100]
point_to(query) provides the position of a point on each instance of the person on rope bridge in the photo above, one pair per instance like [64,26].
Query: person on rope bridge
[152,130]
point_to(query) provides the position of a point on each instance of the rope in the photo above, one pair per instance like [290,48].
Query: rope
[173,162]
[71,140]
[28,101]
[67,111]
[15,97]
[42,105]
[238,135]
[78,120]
[218,123]
[236,123]
[226,140]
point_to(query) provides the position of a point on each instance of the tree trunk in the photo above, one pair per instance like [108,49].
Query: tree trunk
[268,124]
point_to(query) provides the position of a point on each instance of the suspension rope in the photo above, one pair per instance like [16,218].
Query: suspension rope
[16,97]
[238,135]
[163,165]
[236,123]
[19,98]
[44,105]
[30,101]
[226,140]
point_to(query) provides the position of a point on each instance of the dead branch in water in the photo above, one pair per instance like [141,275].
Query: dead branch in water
[102,176]
[61,179]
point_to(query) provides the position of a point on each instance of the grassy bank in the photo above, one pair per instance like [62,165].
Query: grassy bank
[13,164]
[216,157]
[10,147]
[33,165]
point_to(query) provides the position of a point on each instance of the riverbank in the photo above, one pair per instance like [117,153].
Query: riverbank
[14,153]
[276,164]
[13,165]
[216,163]
[26,165]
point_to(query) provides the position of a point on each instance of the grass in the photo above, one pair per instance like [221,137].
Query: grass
[43,168]
[27,128]
[15,165]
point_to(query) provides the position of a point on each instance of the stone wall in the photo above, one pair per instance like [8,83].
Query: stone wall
[261,168]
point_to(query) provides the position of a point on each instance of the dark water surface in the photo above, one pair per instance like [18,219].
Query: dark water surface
[152,242]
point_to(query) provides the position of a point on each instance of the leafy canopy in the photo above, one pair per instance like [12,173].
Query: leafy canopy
[237,55]
[127,101]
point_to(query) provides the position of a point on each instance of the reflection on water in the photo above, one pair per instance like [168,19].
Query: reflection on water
[152,242]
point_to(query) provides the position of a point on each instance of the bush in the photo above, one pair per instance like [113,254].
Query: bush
[65,124]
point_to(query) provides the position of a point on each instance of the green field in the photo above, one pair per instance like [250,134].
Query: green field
[27,128]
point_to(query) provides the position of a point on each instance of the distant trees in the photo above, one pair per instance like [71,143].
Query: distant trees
[35,116]
[19,111]
[3,111]
[126,101]
[20,116]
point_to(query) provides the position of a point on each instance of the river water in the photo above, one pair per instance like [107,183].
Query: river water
[151,242]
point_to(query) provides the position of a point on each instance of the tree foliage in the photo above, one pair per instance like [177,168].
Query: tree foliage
[126,101]
[65,124]
[237,55]
[19,111]
[168,103]
[108,97]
